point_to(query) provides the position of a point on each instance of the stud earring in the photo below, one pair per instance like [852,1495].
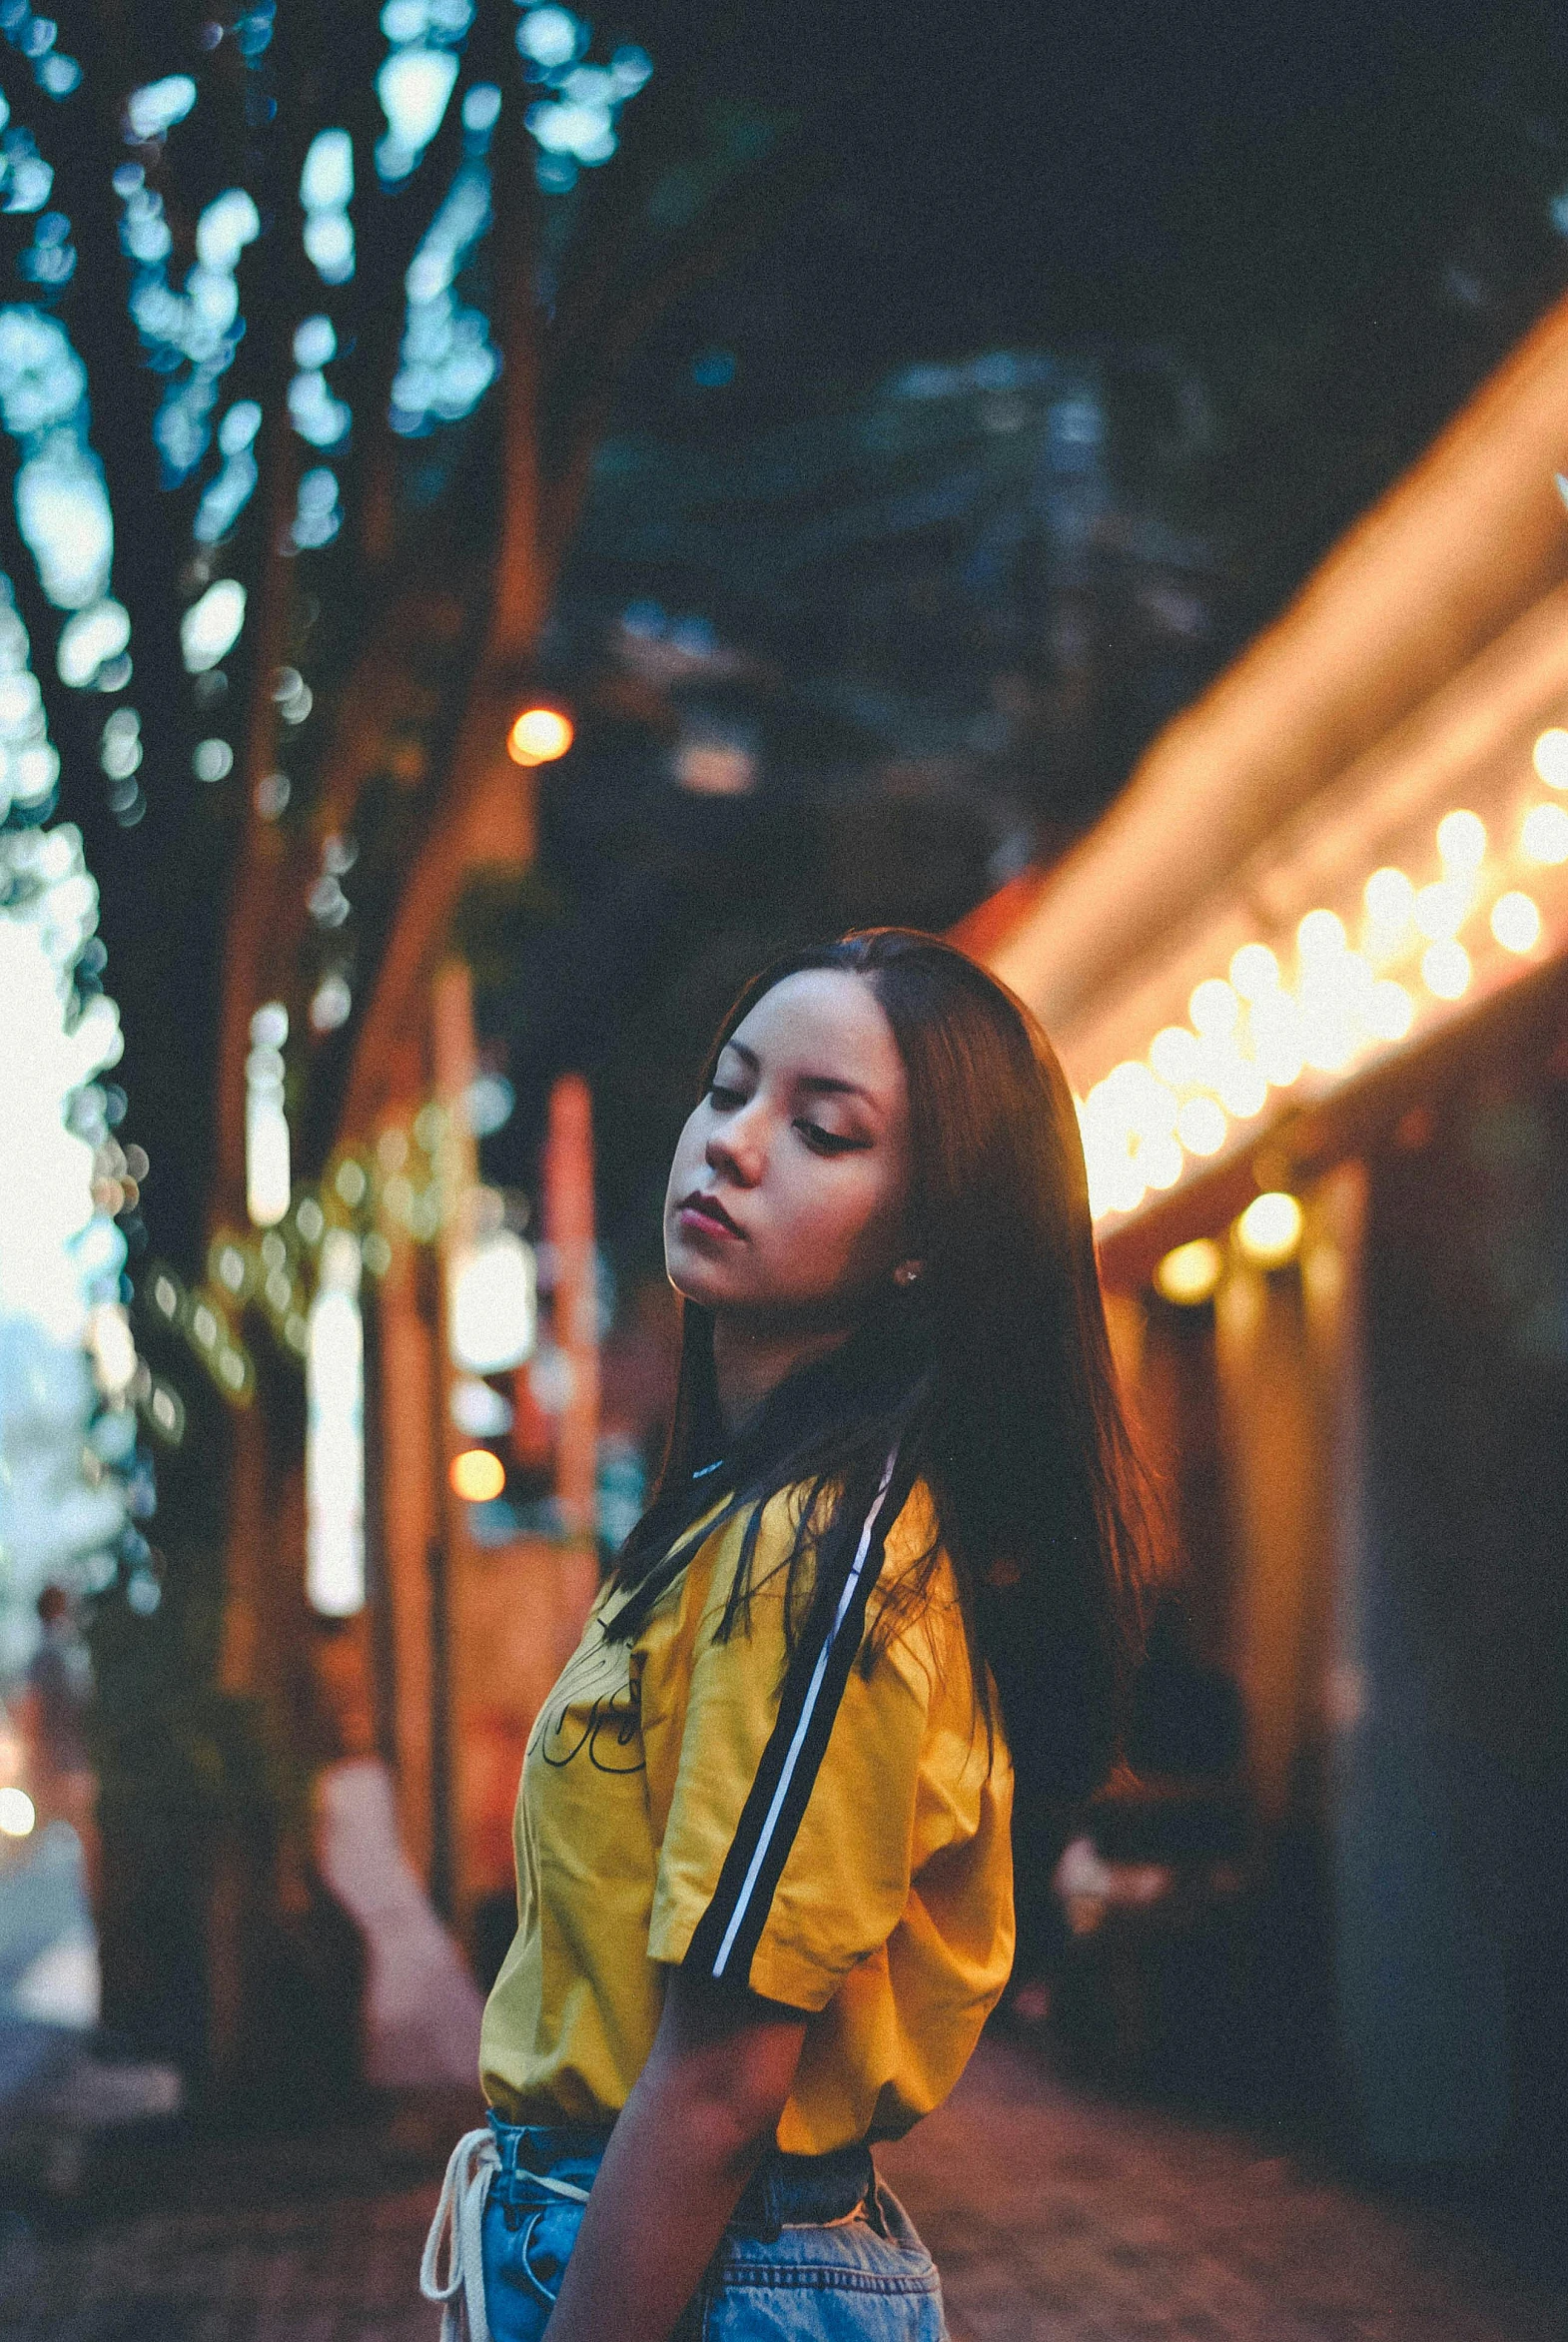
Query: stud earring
[905,1272]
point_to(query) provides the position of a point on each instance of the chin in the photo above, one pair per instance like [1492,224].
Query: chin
[694,1278]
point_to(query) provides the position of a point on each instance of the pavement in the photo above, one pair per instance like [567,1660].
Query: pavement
[1057,2214]
[61,2085]
[1053,2213]
[42,1914]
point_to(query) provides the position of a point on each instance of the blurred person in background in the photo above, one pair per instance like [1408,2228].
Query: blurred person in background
[762,1836]
[52,1715]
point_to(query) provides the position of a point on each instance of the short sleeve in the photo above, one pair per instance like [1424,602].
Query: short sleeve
[787,1848]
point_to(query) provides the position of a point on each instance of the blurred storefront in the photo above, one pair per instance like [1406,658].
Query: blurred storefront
[423,1470]
[1308,979]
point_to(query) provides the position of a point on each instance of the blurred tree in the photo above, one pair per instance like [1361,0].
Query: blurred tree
[309,321]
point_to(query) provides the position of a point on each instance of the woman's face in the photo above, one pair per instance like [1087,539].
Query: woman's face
[787,1194]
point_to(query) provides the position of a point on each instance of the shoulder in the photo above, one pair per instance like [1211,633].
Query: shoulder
[762,1540]
[919,1616]
[756,1567]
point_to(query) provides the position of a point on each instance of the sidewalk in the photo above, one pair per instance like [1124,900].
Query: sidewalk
[1055,2218]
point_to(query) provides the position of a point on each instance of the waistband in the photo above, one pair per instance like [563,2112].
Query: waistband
[783,2191]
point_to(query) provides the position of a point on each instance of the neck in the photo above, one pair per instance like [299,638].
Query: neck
[752,1359]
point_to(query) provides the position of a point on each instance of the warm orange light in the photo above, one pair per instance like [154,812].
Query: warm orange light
[1516,923]
[477,1475]
[1269,1229]
[539,735]
[1189,1273]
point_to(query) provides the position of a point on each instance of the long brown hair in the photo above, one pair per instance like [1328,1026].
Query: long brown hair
[991,1376]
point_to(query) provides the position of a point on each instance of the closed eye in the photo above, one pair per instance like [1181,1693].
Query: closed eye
[830,1141]
[724,1099]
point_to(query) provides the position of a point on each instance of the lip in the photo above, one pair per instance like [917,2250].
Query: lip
[706,1215]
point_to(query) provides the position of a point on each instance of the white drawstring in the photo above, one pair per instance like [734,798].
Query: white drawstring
[459,2222]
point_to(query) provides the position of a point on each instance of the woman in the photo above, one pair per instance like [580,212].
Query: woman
[764,1879]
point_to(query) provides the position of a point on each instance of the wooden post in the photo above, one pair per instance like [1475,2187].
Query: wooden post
[568,1229]
[408,1392]
[568,1226]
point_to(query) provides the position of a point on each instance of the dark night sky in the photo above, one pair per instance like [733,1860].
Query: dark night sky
[1335,215]
[1032,175]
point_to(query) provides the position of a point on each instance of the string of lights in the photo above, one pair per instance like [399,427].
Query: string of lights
[1304,1023]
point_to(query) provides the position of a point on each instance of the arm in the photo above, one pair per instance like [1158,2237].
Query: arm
[699,2119]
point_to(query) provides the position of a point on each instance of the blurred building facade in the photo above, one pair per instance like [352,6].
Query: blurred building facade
[1310,977]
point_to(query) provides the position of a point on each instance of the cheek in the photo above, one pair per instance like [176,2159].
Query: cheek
[844,1221]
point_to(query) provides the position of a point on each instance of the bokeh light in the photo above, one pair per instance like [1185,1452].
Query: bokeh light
[539,735]
[1446,970]
[1255,971]
[477,1475]
[17,1812]
[1201,1126]
[1550,757]
[1213,1008]
[1543,836]
[1516,921]
[1189,1274]
[1269,1229]
[1462,841]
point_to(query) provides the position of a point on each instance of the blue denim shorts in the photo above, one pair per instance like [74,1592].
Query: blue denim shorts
[818,2250]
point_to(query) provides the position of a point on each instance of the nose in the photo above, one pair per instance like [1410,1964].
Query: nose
[737,1149]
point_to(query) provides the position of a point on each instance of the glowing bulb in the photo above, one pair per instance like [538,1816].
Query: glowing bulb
[1213,1008]
[1114,1185]
[1269,1229]
[1201,1126]
[1445,968]
[1462,841]
[1544,833]
[1131,1103]
[1389,1010]
[1328,1040]
[1335,985]
[1388,895]
[1243,1090]
[1441,909]
[1320,935]
[1176,1056]
[1189,1273]
[1516,921]
[492,1306]
[539,736]
[1159,1160]
[1550,757]
[1255,971]
[17,1814]
[266,1163]
[1276,1039]
[477,1475]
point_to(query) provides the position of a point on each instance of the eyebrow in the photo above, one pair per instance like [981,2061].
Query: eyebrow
[820,1084]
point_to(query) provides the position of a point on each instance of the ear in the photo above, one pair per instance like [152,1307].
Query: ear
[908,1272]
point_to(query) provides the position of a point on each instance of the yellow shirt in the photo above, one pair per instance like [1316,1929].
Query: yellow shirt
[837,1841]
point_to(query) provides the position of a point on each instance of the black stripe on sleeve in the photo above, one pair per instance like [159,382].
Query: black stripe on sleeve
[706,1949]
